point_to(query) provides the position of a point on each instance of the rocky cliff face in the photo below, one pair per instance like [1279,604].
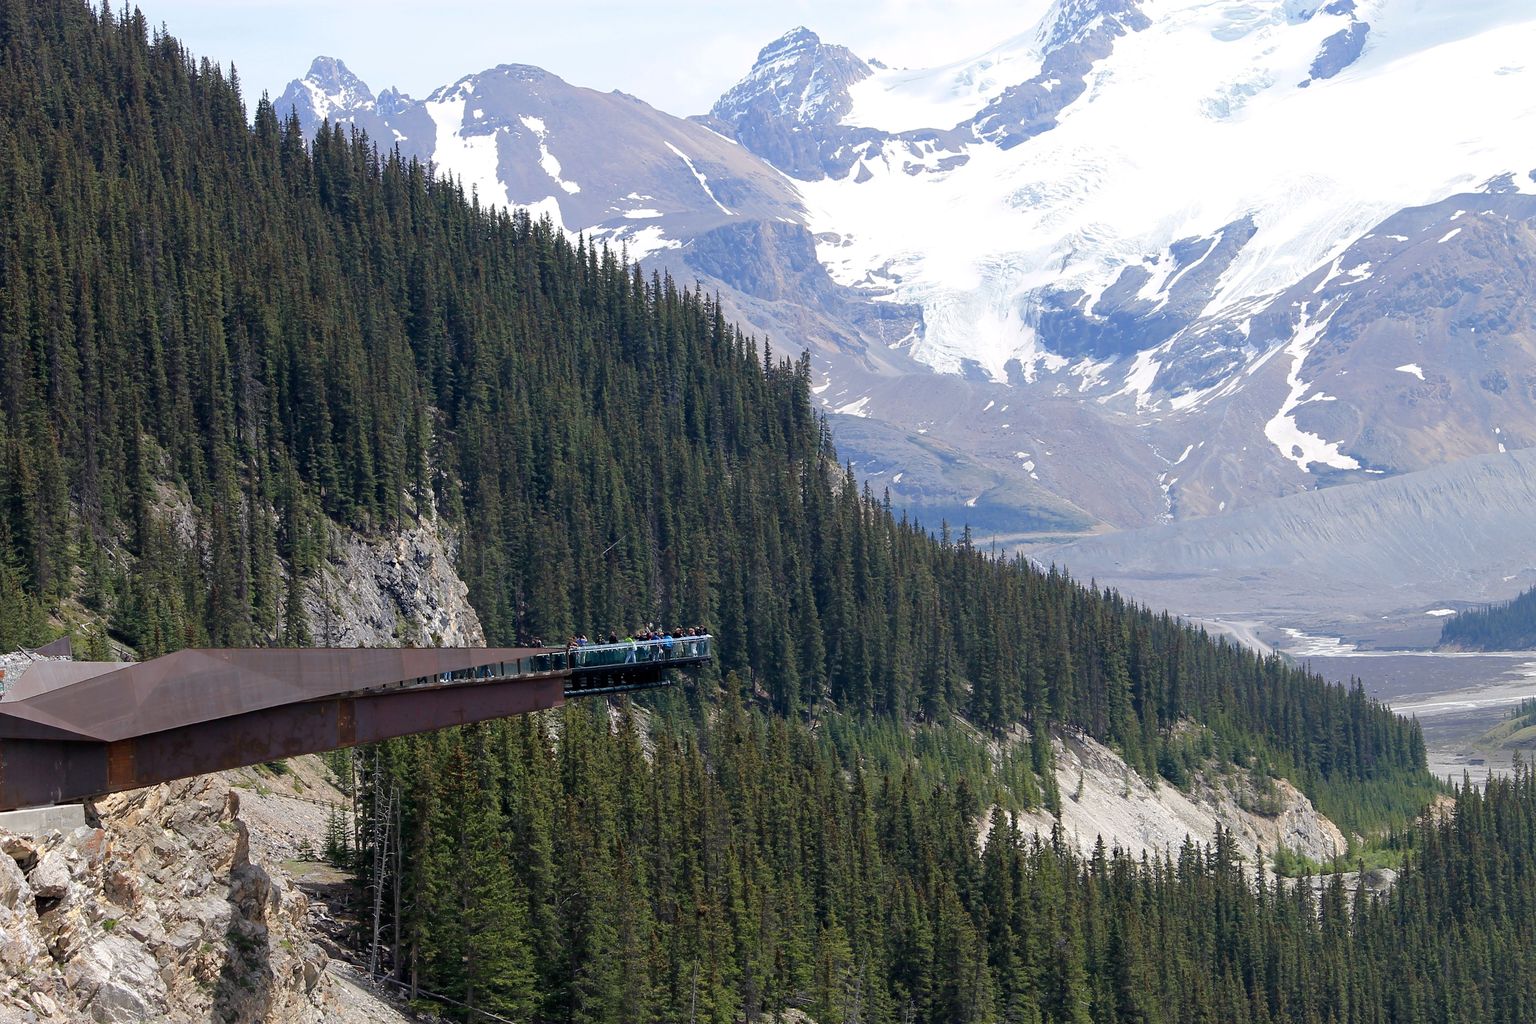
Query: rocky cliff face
[790,106]
[159,913]
[392,591]
[1102,797]
[384,590]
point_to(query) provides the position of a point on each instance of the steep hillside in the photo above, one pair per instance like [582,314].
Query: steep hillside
[605,448]
[238,369]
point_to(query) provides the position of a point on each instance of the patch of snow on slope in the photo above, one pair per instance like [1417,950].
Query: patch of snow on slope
[644,241]
[857,408]
[547,159]
[1210,122]
[472,158]
[549,207]
[327,107]
[702,180]
[1305,645]
[1294,443]
[1138,382]
[1092,373]
[1413,368]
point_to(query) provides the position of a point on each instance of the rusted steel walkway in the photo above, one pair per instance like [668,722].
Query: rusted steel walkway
[71,730]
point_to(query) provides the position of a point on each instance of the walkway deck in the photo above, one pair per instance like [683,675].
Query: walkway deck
[71,730]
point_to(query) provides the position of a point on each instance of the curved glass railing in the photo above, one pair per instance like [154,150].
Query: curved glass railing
[590,657]
[641,652]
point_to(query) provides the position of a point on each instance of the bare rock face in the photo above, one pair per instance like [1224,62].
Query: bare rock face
[395,590]
[386,590]
[50,879]
[119,981]
[158,914]
[1263,816]
[1102,797]
[20,945]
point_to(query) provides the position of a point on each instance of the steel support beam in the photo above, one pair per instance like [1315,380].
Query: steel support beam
[36,772]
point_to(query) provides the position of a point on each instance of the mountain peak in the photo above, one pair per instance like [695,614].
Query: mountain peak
[337,81]
[329,91]
[323,67]
[795,40]
[798,80]
[1073,21]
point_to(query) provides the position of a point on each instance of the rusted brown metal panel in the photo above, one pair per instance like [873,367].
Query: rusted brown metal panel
[13,728]
[193,686]
[60,648]
[266,735]
[36,772]
[346,723]
[39,772]
[408,712]
[122,764]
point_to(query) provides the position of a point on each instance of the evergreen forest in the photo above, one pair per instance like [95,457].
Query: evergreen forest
[745,864]
[1506,626]
[200,307]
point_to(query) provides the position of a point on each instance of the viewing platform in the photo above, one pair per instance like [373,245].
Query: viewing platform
[71,730]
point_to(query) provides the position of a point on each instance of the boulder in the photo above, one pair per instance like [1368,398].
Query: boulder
[51,877]
[117,981]
[20,849]
[87,850]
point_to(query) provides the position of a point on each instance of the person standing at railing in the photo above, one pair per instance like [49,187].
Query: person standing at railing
[633,650]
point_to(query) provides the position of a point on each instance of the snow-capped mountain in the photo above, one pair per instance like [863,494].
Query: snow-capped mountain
[1208,252]
[1200,132]
[1178,208]
[602,163]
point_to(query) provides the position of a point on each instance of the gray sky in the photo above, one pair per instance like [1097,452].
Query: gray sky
[678,55]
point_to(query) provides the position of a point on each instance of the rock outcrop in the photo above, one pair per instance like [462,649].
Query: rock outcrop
[1101,796]
[399,589]
[159,913]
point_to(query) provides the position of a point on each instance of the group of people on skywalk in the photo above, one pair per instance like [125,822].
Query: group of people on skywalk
[652,643]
